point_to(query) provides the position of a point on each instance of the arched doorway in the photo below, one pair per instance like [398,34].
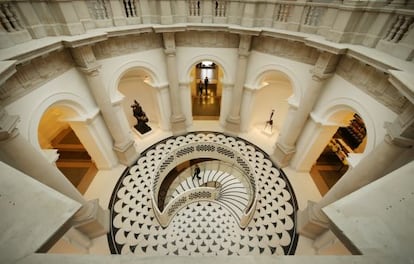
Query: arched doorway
[61,145]
[341,151]
[272,96]
[135,85]
[206,90]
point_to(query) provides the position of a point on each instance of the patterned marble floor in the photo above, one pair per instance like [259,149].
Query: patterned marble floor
[203,228]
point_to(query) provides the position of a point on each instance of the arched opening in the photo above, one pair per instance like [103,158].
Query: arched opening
[206,90]
[61,144]
[342,150]
[135,86]
[270,104]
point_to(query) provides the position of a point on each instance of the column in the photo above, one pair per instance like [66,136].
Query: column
[177,118]
[16,151]
[233,119]
[246,109]
[124,144]
[312,222]
[289,134]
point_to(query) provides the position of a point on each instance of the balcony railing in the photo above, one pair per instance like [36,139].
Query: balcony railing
[341,21]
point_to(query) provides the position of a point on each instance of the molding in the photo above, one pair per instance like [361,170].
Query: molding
[128,30]
[78,41]
[31,50]
[404,82]
[324,45]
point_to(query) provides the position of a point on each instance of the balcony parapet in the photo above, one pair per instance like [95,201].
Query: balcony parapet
[340,21]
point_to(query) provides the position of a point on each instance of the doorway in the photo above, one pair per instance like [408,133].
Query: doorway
[206,91]
[72,159]
[334,161]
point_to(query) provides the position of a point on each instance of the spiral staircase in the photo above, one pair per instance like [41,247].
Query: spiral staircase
[232,195]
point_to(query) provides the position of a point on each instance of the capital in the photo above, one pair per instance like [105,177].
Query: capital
[325,65]
[84,57]
[91,71]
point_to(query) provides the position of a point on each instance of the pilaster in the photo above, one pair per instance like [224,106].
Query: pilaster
[207,9]
[67,17]
[33,24]
[117,13]
[248,14]
[166,17]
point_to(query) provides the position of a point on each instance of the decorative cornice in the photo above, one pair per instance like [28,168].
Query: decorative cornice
[380,65]
[78,41]
[327,46]
[128,30]
[168,28]
[31,50]
[298,36]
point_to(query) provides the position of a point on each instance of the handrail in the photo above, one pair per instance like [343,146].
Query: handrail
[204,150]
[185,198]
[216,165]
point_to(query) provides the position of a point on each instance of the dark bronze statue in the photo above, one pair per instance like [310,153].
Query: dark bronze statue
[141,117]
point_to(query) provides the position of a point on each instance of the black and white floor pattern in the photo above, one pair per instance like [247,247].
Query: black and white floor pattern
[203,228]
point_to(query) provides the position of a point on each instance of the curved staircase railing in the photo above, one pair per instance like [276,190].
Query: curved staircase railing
[229,160]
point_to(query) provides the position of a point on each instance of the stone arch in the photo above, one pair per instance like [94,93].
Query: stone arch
[75,105]
[185,74]
[265,98]
[185,81]
[152,80]
[84,120]
[331,112]
[256,79]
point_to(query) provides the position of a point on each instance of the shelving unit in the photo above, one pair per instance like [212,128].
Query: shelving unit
[354,134]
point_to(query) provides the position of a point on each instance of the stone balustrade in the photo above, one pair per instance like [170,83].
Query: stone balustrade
[340,21]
